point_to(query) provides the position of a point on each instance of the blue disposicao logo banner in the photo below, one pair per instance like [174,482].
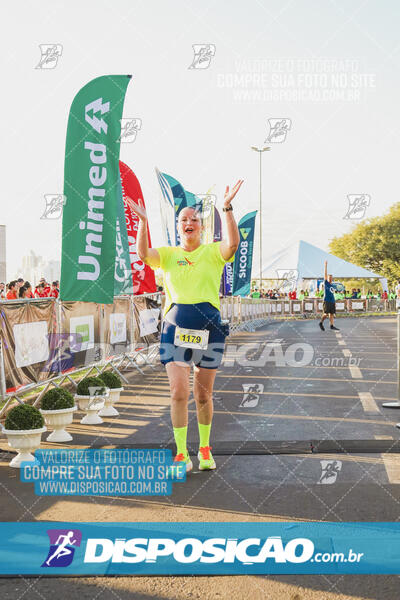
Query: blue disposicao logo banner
[198,548]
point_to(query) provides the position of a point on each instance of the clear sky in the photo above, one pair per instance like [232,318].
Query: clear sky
[330,66]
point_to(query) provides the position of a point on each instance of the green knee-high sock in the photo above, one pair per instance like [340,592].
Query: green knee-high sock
[204,433]
[180,435]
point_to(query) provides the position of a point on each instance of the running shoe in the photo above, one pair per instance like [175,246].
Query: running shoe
[321,326]
[180,458]
[206,461]
[335,328]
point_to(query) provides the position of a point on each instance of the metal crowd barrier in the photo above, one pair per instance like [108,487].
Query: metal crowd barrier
[70,340]
[139,342]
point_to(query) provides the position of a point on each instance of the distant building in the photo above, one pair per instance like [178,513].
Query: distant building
[3,261]
[34,267]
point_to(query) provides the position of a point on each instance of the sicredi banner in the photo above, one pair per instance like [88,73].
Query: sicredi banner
[143,277]
[91,176]
[244,256]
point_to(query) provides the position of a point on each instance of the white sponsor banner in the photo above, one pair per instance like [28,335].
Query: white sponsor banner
[148,321]
[296,307]
[308,306]
[357,305]
[117,328]
[31,343]
[82,333]
[340,306]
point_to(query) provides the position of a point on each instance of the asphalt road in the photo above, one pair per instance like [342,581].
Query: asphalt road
[307,388]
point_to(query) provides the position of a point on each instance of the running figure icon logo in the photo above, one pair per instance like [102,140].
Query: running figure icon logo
[203,53]
[358,204]
[251,394]
[62,550]
[278,129]
[50,53]
[330,471]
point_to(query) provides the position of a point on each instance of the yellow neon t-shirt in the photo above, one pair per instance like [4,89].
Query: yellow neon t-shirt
[192,277]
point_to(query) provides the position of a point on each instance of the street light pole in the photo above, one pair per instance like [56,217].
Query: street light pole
[260,151]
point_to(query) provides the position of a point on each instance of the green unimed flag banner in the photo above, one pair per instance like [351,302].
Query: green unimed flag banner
[91,178]
[244,256]
[123,283]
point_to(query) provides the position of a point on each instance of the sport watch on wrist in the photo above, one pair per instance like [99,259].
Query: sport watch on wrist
[230,207]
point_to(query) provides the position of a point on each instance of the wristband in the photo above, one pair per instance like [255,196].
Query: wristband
[229,208]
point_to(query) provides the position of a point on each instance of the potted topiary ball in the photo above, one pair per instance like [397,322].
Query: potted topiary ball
[113,382]
[91,394]
[58,407]
[23,427]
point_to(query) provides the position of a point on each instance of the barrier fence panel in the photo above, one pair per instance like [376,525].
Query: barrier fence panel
[27,330]
[118,327]
[43,339]
[81,340]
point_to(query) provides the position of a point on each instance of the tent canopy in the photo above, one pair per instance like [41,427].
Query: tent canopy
[308,261]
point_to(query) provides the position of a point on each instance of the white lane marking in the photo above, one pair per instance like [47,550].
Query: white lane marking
[355,372]
[346,352]
[341,342]
[368,402]
[383,437]
[339,335]
[392,466]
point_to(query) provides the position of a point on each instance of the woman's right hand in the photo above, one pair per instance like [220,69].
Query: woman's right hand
[139,210]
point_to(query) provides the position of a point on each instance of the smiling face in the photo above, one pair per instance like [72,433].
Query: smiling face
[189,226]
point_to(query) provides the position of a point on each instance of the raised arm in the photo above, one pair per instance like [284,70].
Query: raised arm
[229,245]
[326,270]
[149,256]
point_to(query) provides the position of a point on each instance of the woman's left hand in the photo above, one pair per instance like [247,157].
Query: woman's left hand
[229,195]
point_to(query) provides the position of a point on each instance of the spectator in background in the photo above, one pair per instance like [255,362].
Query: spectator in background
[20,283]
[39,291]
[22,292]
[12,290]
[54,291]
[2,290]
[29,293]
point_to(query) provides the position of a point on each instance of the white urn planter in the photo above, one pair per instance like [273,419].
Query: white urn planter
[113,398]
[91,405]
[58,420]
[25,441]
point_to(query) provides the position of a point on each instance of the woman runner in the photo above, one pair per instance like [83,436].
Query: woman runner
[192,276]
